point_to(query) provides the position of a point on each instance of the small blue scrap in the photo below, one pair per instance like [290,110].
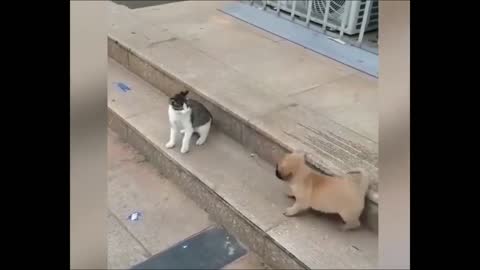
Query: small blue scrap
[135,216]
[123,87]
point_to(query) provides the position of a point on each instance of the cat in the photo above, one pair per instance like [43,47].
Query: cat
[187,116]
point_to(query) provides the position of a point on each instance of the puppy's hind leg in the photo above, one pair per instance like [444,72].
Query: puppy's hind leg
[351,225]
[352,221]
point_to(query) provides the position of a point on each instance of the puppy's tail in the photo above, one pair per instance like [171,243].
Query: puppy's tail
[360,176]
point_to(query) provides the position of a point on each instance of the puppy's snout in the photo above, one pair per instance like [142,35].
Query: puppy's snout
[277,173]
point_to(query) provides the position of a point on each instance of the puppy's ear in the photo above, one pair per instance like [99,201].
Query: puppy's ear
[300,153]
[184,93]
[306,157]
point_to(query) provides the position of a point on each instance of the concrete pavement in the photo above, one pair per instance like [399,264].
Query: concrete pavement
[168,216]
[295,98]
[237,188]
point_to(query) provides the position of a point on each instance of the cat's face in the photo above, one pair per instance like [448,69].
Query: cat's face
[179,101]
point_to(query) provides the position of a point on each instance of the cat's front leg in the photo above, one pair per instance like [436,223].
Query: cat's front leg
[173,137]
[187,135]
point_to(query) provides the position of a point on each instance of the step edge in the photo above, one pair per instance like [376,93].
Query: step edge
[370,216]
[124,134]
[114,116]
[372,194]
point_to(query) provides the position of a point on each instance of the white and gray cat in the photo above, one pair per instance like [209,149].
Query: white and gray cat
[187,116]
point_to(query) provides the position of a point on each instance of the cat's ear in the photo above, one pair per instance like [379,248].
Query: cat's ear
[184,93]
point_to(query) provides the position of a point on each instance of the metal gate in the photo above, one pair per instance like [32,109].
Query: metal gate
[341,16]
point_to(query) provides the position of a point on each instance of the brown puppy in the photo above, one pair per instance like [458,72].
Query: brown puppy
[329,194]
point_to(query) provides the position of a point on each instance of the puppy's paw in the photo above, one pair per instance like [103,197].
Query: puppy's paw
[290,212]
[184,150]
[350,226]
[169,145]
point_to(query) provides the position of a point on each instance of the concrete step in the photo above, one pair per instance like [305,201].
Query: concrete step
[135,185]
[237,188]
[321,107]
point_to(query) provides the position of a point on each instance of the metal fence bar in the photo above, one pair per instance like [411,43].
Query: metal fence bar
[313,21]
[292,13]
[366,13]
[325,16]
[278,7]
[265,2]
[346,16]
[309,12]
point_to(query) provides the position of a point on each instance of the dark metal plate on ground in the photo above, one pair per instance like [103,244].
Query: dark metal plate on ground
[213,248]
[133,4]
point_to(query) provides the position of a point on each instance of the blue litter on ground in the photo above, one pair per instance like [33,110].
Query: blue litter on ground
[123,87]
